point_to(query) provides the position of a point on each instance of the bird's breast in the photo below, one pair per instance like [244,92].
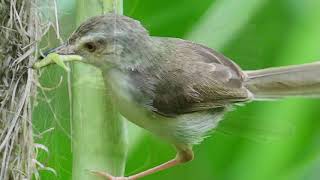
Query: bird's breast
[129,100]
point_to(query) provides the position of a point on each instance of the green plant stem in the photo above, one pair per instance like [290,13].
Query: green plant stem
[99,134]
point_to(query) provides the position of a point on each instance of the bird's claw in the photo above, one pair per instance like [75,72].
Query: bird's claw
[108,176]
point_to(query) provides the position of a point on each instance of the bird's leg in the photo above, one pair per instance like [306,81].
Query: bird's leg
[183,155]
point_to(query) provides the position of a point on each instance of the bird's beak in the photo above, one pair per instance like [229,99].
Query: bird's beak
[59,55]
[63,49]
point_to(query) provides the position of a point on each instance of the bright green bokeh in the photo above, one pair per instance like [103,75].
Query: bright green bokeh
[276,140]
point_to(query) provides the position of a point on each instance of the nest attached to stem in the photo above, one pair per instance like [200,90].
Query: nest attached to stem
[20,32]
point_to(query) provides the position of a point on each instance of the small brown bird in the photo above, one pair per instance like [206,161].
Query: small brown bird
[177,89]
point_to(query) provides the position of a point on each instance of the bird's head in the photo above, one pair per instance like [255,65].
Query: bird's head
[107,41]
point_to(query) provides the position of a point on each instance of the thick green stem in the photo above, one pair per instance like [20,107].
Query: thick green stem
[99,135]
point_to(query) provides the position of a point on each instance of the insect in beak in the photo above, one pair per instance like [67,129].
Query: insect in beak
[58,55]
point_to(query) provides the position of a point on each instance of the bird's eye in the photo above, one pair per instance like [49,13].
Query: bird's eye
[90,46]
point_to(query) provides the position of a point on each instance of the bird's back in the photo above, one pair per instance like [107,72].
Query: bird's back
[190,78]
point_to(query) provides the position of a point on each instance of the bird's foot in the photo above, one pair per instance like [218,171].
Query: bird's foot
[108,176]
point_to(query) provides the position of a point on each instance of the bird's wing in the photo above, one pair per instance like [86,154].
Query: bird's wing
[198,79]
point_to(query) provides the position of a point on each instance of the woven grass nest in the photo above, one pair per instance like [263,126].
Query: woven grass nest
[20,32]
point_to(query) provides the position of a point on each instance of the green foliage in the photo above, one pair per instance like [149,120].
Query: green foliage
[263,140]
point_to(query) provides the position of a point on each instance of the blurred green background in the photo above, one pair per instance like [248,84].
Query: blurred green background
[261,140]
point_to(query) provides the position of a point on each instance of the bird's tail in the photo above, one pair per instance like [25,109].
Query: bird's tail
[300,80]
